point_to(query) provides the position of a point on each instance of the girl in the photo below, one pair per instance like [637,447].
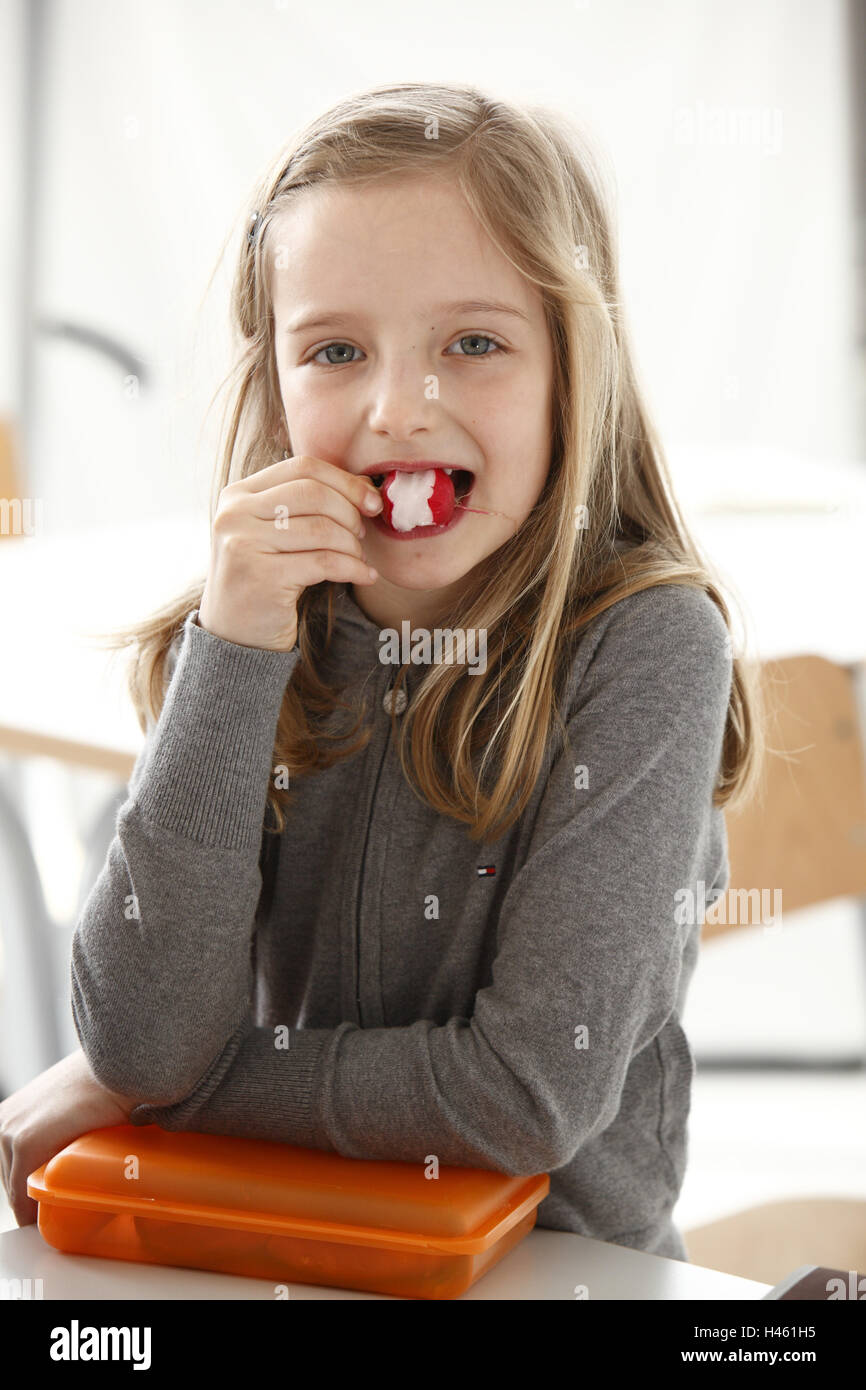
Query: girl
[434,910]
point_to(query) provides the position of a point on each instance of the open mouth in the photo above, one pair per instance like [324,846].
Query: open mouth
[461,477]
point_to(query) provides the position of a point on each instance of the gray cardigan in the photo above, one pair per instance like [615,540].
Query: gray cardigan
[376,983]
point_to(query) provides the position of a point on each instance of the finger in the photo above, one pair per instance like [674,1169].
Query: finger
[27,1212]
[308,533]
[308,497]
[291,535]
[24,1208]
[354,486]
[310,567]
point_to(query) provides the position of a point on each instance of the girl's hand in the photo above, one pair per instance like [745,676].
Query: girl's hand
[46,1115]
[291,525]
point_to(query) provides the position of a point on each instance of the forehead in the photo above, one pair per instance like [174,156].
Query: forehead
[410,238]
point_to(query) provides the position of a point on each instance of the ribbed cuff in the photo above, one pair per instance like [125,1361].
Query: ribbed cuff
[207,771]
[256,1090]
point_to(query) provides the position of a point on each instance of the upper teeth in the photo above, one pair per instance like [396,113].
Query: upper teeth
[402,470]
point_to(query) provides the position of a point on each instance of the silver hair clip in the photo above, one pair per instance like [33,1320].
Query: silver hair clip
[255,223]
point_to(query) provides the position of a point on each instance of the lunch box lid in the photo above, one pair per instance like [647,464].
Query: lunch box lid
[280,1189]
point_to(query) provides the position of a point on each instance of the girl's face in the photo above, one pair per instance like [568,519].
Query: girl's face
[389,348]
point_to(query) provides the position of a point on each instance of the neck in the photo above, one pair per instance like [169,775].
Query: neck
[389,606]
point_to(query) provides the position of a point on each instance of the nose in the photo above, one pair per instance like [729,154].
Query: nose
[402,395]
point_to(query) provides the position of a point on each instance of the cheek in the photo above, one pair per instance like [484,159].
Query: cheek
[311,417]
[520,449]
[518,434]
[519,404]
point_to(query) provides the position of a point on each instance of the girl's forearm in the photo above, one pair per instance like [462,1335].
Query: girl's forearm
[160,971]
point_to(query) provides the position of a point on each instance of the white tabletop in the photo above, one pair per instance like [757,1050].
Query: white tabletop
[796,577]
[63,590]
[785,533]
[546,1265]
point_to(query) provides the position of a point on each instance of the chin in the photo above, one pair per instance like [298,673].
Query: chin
[420,573]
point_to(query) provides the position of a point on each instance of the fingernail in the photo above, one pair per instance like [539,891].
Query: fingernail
[372,502]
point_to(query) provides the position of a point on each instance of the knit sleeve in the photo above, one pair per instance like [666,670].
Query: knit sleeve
[160,962]
[589,944]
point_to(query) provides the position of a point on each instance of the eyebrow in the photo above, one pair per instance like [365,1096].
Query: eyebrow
[463,306]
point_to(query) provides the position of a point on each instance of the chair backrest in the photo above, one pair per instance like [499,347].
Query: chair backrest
[805,832]
[8,467]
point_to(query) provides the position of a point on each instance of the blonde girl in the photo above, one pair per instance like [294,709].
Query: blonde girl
[394,906]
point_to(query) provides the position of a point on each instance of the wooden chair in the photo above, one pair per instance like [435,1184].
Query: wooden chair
[770,1241]
[9,479]
[806,834]
[805,831]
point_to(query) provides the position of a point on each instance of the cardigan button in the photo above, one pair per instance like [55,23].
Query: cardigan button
[396,698]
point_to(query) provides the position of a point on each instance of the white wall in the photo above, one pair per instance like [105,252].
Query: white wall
[11,225]
[737,255]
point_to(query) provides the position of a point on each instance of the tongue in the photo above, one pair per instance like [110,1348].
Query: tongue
[425,498]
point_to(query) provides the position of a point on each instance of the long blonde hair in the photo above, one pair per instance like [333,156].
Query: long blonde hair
[529,177]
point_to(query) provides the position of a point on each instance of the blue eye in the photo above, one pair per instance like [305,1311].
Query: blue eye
[327,348]
[479,337]
[465,338]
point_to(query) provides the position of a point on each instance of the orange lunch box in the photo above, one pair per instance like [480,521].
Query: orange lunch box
[275,1211]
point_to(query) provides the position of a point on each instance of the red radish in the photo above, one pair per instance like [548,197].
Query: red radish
[422,498]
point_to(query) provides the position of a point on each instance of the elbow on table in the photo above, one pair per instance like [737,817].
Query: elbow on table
[164,1080]
[525,1127]
[543,1154]
[528,1145]
[552,1131]
[130,1085]
[134,1058]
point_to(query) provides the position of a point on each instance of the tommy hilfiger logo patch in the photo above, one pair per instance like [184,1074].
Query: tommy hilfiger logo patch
[484,869]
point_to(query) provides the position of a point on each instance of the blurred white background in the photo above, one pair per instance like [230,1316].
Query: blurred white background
[132,135]
[726,127]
